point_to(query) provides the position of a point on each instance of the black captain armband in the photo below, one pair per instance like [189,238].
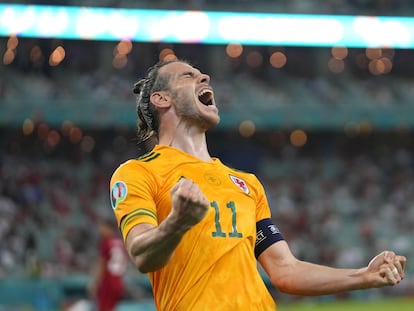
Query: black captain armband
[266,234]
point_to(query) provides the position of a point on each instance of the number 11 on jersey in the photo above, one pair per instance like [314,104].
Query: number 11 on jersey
[219,232]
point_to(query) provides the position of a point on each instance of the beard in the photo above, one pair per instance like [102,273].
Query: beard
[188,109]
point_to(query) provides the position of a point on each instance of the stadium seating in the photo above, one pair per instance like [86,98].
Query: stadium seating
[340,199]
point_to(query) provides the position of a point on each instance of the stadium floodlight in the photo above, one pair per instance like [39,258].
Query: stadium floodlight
[206,27]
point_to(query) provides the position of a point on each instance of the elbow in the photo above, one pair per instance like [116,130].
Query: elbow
[143,267]
[146,266]
[281,285]
[287,285]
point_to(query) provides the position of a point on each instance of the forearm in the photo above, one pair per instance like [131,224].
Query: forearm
[150,249]
[312,280]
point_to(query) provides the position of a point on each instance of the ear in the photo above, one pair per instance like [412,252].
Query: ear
[161,99]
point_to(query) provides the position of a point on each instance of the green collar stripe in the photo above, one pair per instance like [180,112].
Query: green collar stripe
[151,158]
[144,156]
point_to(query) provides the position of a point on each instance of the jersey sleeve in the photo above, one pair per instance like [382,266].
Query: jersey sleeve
[266,232]
[263,209]
[132,199]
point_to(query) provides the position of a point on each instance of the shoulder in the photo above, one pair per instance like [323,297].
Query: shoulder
[146,168]
[126,168]
[143,162]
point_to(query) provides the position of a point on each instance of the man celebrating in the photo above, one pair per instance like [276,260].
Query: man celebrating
[197,226]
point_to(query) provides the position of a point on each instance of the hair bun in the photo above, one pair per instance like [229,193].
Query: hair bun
[138,86]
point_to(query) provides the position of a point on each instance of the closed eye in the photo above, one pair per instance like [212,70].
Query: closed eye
[188,74]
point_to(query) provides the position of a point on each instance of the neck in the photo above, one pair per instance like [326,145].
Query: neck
[190,139]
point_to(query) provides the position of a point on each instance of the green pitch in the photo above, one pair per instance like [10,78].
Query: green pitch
[351,305]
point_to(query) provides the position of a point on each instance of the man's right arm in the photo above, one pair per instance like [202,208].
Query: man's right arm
[151,247]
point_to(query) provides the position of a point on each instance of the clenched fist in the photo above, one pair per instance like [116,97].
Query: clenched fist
[387,268]
[189,204]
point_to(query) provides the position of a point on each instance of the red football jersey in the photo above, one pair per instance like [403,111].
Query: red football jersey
[111,289]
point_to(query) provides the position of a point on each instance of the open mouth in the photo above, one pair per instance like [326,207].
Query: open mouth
[206,97]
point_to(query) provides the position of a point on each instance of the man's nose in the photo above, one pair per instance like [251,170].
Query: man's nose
[204,78]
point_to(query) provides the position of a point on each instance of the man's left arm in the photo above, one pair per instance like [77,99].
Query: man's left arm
[294,276]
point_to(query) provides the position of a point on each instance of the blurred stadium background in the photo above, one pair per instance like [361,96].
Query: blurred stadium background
[327,127]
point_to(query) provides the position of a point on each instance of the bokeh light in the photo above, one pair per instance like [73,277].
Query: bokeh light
[339,53]
[298,138]
[75,135]
[247,128]
[12,43]
[119,61]
[278,59]
[166,54]
[124,47]
[28,127]
[234,50]
[53,138]
[336,65]
[373,53]
[57,56]
[8,57]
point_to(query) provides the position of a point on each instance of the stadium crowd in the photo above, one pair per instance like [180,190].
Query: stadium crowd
[107,94]
[336,202]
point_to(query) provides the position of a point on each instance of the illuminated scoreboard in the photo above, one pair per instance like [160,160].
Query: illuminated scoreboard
[207,27]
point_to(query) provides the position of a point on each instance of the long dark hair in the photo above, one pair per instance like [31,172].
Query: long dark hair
[148,118]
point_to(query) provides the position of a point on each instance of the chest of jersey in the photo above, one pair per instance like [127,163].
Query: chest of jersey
[232,213]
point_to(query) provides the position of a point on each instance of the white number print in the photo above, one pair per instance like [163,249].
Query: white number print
[117,262]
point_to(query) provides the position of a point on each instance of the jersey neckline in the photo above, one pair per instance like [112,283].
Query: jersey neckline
[214,160]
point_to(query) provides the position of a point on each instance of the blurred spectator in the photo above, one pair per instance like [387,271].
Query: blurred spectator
[107,285]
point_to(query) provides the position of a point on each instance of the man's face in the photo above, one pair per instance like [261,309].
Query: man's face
[192,95]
